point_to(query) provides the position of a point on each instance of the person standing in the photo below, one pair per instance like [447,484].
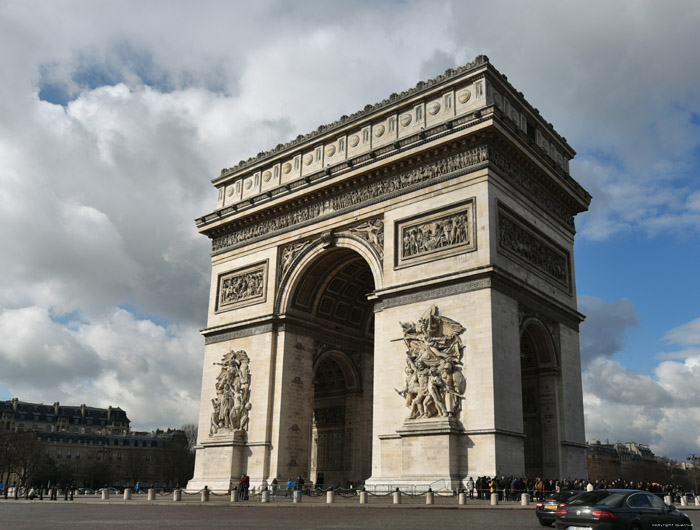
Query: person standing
[245,485]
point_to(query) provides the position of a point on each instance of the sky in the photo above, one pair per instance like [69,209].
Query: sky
[115,116]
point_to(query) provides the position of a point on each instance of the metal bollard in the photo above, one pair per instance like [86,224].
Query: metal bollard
[105,494]
[177,495]
[462,498]
[363,497]
[697,500]
[296,496]
[234,495]
[127,494]
[205,494]
[151,494]
[71,493]
[396,496]
[265,496]
[684,501]
[330,497]
[524,499]
[667,499]
[494,499]
[430,497]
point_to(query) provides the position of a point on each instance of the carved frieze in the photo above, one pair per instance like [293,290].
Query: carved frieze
[231,406]
[434,384]
[242,287]
[519,239]
[435,235]
[354,197]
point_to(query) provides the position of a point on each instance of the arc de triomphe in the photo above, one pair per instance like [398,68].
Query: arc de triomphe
[393,298]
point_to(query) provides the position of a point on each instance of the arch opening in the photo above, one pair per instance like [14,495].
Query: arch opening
[330,306]
[540,381]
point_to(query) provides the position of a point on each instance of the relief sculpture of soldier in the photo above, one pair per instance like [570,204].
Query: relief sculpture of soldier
[434,384]
[231,407]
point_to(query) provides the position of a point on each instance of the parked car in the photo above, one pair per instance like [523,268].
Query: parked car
[546,509]
[86,491]
[619,509]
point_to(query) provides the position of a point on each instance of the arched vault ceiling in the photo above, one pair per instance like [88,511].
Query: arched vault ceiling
[335,289]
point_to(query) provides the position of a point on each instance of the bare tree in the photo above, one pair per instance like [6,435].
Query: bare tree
[191,433]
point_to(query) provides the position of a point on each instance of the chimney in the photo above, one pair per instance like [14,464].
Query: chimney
[15,403]
[56,408]
[109,413]
[82,410]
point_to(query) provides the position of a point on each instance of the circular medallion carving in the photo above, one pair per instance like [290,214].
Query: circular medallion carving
[379,130]
[406,120]
[286,168]
[434,108]
[308,159]
[330,150]
[248,184]
[267,176]
[354,140]
[229,191]
[464,96]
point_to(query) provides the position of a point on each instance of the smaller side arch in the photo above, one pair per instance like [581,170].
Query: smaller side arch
[537,344]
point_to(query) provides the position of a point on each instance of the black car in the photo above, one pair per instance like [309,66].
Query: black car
[619,509]
[546,509]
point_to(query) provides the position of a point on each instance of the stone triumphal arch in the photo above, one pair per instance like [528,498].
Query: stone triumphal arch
[393,298]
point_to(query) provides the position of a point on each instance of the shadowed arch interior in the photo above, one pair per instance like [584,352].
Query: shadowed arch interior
[335,290]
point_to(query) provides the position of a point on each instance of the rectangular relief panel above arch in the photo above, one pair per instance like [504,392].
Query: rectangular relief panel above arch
[436,234]
[242,287]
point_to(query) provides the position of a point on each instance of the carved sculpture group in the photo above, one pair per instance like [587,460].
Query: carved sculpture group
[232,402]
[242,287]
[442,233]
[435,384]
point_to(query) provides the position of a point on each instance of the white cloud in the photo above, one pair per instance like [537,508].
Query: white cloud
[98,197]
[688,334]
[115,359]
[663,410]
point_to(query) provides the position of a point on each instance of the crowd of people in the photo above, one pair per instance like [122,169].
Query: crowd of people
[511,488]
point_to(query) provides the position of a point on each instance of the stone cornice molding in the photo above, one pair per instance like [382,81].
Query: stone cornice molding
[472,71]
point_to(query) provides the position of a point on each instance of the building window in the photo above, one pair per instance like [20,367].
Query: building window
[77,454]
[119,456]
[148,458]
[59,454]
[67,454]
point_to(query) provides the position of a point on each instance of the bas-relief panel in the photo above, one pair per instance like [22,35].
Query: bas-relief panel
[517,238]
[242,287]
[436,235]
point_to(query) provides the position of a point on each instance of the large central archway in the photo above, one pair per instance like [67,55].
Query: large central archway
[329,302]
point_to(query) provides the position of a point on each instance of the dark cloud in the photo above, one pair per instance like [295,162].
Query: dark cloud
[603,331]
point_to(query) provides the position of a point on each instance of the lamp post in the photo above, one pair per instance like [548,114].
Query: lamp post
[694,460]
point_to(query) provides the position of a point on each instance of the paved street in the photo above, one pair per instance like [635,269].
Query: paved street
[88,514]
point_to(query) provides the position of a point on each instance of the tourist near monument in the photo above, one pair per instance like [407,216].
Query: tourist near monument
[393,298]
